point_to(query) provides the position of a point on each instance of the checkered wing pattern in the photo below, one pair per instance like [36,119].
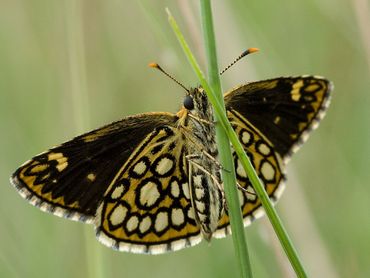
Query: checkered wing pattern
[147,208]
[272,119]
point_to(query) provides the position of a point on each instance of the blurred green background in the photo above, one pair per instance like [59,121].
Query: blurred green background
[69,66]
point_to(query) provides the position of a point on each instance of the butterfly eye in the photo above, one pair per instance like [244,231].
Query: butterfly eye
[188,103]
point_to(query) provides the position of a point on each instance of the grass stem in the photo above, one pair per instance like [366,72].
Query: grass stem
[225,155]
[256,182]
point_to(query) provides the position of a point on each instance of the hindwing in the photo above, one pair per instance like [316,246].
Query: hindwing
[268,165]
[147,208]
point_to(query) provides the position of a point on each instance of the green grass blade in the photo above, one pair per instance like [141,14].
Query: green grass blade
[257,184]
[225,155]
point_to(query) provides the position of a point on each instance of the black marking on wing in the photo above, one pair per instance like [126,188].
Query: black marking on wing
[99,153]
[283,109]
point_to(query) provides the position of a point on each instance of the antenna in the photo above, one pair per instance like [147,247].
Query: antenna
[156,66]
[245,53]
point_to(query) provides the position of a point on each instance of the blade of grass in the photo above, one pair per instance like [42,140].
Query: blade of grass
[257,184]
[225,155]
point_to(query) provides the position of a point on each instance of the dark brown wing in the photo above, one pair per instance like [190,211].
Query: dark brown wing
[70,180]
[271,117]
[284,109]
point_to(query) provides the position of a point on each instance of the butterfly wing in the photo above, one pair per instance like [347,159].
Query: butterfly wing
[272,118]
[267,163]
[147,208]
[70,180]
[285,110]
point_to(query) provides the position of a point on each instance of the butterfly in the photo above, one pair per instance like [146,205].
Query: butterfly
[150,183]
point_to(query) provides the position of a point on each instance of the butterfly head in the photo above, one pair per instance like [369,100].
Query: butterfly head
[196,103]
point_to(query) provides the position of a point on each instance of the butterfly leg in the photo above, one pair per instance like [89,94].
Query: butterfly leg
[201,168]
[214,160]
[200,120]
[220,167]
[218,164]
[244,190]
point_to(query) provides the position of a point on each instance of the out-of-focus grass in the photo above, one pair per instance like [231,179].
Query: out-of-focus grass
[327,201]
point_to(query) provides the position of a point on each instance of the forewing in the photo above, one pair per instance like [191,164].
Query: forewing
[284,109]
[147,208]
[267,163]
[70,180]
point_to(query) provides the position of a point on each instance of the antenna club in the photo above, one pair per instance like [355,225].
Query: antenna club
[154,65]
[245,53]
[252,50]
[249,51]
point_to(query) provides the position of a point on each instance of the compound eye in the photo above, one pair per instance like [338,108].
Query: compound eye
[188,103]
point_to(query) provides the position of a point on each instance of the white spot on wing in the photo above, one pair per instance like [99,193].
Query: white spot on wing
[246,137]
[145,224]
[132,223]
[149,194]
[164,166]
[140,168]
[178,244]
[175,189]
[240,170]
[118,215]
[258,213]
[191,213]
[264,149]
[200,206]
[279,190]
[161,221]
[117,192]
[267,170]
[147,249]
[177,217]
[199,193]
[157,249]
